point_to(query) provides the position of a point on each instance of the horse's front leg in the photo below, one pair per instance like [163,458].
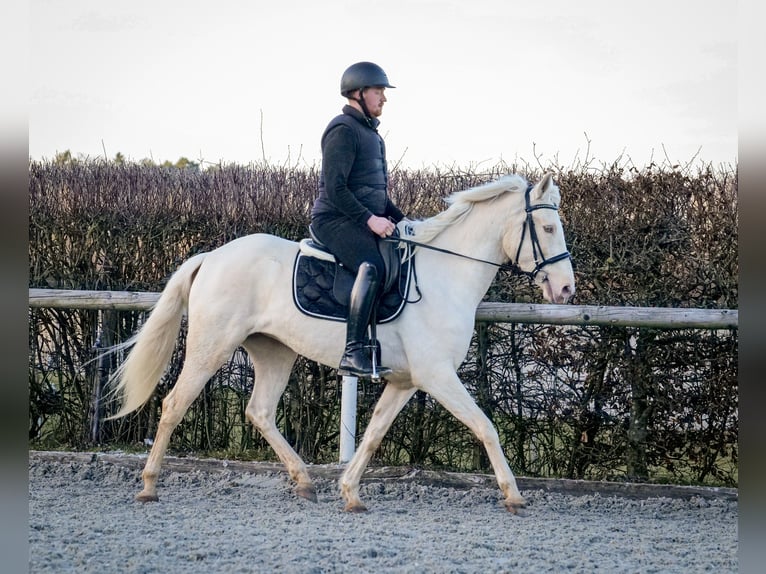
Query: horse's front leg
[449,391]
[391,402]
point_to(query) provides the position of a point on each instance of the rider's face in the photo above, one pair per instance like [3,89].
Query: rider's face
[374,98]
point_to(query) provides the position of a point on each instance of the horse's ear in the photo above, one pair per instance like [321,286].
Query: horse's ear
[544,185]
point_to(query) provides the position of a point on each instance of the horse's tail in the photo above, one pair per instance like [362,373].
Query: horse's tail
[153,345]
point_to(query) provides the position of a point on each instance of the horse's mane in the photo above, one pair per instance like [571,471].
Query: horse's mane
[460,204]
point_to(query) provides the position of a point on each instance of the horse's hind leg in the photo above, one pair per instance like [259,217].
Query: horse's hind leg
[201,363]
[272,363]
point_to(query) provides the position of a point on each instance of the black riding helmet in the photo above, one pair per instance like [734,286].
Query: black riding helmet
[363,75]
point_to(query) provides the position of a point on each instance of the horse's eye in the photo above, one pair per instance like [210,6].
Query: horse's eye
[548,228]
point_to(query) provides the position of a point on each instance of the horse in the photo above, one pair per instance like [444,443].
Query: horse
[239,294]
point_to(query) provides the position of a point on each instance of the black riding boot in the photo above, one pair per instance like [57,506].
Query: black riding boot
[357,359]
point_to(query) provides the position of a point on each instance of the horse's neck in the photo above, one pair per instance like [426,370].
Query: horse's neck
[480,233]
[478,237]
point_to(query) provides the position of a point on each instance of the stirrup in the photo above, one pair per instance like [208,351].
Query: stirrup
[360,364]
[378,371]
[375,375]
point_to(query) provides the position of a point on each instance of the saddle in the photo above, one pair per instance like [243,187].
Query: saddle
[322,285]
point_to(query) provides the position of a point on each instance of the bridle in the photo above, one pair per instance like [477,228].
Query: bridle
[529,223]
[537,250]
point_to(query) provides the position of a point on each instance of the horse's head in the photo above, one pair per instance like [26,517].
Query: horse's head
[540,249]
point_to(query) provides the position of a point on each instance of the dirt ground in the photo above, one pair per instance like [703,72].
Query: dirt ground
[224,516]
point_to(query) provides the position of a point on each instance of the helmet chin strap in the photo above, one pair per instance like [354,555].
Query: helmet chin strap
[361,102]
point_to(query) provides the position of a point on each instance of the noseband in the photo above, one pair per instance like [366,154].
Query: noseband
[529,223]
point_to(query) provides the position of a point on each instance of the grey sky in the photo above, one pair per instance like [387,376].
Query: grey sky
[476,81]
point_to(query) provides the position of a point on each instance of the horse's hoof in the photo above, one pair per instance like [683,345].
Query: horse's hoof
[146,497]
[306,491]
[357,508]
[516,508]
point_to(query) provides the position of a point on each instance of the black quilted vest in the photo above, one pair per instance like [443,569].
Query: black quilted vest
[368,179]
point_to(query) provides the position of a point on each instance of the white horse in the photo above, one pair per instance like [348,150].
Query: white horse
[240,294]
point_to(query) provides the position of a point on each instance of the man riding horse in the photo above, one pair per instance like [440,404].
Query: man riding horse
[353,209]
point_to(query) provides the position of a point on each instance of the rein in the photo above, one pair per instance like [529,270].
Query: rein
[537,252]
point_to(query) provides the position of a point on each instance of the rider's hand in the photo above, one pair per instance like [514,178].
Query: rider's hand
[381,226]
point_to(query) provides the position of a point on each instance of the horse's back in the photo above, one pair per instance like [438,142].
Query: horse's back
[247,262]
[257,245]
[252,250]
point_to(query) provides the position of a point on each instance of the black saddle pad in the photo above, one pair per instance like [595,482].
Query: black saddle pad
[322,289]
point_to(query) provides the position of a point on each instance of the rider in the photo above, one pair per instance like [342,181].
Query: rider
[353,209]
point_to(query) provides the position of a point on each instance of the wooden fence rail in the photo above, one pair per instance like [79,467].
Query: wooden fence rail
[488,312]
